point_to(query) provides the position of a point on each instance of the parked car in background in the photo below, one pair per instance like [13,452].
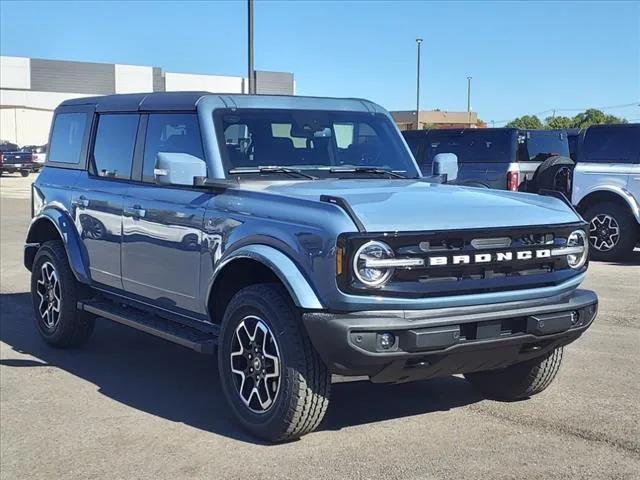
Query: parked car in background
[501,158]
[14,160]
[39,152]
[606,188]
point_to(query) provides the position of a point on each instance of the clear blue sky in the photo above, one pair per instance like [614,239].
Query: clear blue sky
[524,57]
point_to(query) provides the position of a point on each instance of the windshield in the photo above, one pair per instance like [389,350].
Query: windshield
[325,142]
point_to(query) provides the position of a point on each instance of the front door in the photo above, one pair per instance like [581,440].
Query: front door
[162,225]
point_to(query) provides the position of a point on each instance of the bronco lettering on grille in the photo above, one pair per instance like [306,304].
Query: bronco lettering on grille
[488,257]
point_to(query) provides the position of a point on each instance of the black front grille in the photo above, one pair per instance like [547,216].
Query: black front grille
[453,278]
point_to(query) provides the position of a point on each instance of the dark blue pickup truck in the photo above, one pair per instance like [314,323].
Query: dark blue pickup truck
[295,237]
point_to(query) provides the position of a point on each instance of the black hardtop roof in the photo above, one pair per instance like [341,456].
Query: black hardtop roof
[455,131]
[475,131]
[133,102]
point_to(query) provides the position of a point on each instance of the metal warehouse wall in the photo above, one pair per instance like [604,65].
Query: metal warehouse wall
[77,77]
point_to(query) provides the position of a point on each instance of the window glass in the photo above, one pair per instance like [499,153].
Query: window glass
[114,145]
[541,145]
[67,136]
[173,133]
[344,134]
[469,146]
[612,145]
[283,130]
[311,140]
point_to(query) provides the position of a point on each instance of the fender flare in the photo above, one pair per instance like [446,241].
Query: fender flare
[620,192]
[282,266]
[76,252]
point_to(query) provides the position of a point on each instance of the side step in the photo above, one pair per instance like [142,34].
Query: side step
[202,342]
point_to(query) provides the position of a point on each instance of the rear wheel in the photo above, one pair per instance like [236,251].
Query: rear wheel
[24,173]
[518,381]
[55,293]
[274,381]
[613,232]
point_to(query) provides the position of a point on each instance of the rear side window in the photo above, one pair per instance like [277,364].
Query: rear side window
[67,137]
[612,145]
[114,145]
[174,133]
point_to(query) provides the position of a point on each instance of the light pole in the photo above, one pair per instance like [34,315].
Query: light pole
[251,74]
[419,42]
[469,100]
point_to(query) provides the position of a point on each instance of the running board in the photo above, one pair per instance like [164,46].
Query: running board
[202,342]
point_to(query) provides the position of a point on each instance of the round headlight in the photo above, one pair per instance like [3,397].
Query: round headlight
[578,240]
[372,276]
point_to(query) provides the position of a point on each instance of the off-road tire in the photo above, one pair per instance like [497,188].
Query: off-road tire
[305,382]
[73,327]
[518,381]
[628,231]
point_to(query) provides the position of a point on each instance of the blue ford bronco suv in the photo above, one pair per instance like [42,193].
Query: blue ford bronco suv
[296,238]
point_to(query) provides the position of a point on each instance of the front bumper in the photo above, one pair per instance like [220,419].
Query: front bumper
[437,342]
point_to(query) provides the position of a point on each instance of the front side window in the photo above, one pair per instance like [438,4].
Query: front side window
[612,144]
[114,145]
[170,133]
[320,141]
[67,137]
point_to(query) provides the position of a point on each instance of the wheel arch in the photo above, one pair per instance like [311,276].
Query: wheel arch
[618,196]
[54,224]
[258,264]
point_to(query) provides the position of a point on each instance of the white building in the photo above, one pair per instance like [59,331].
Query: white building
[31,88]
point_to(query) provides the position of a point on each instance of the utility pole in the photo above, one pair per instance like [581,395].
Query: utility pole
[419,42]
[251,73]
[469,100]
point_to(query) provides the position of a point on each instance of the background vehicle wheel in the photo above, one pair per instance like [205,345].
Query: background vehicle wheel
[613,232]
[518,381]
[55,293]
[274,381]
[24,173]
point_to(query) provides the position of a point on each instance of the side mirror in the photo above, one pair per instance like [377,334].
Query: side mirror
[446,164]
[178,168]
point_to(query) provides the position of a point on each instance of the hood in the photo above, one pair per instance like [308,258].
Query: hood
[409,205]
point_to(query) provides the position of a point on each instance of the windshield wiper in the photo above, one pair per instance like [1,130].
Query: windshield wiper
[374,170]
[275,169]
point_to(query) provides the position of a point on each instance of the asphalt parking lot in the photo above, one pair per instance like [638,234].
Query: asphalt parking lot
[128,405]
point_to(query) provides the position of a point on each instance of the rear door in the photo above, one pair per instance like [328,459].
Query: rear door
[99,195]
[535,146]
[162,225]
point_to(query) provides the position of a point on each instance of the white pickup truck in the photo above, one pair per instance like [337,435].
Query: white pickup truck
[606,188]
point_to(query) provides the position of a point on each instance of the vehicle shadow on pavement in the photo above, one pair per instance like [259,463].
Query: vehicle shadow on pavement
[174,383]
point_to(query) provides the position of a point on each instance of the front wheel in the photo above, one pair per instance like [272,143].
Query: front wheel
[272,378]
[55,293]
[518,381]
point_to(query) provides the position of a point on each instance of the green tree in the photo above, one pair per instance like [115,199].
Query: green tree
[526,121]
[558,122]
[593,116]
